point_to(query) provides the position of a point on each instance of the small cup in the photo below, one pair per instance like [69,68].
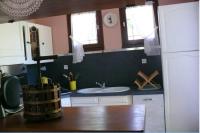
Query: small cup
[44,80]
[72,85]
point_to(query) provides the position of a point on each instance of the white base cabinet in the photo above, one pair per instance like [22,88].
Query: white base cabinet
[101,101]
[115,100]
[65,101]
[154,105]
[84,101]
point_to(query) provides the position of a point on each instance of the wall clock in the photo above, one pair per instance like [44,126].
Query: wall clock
[110,19]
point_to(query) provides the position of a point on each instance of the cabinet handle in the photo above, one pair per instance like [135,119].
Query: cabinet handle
[24,39]
[147,99]
[28,42]
[43,43]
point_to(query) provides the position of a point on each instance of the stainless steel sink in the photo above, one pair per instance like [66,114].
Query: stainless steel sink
[103,90]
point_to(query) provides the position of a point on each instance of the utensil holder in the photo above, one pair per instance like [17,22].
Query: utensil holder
[42,103]
[72,85]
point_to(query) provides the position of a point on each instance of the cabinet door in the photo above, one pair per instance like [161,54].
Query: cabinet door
[115,100]
[25,26]
[179,26]
[181,85]
[45,42]
[45,36]
[65,101]
[11,44]
[84,101]
[154,105]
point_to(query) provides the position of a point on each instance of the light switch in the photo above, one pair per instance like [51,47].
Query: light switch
[65,67]
[144,61]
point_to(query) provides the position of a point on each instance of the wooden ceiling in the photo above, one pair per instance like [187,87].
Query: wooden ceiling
[60,7]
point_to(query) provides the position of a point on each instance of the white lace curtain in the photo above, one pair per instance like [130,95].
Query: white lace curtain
[144,23]
[151,42]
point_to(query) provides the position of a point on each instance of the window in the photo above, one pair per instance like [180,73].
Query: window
[86,28]
[137,22]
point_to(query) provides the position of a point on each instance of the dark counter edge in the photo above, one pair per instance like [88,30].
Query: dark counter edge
[132,91]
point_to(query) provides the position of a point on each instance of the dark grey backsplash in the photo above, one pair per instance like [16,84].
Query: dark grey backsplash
[114,68]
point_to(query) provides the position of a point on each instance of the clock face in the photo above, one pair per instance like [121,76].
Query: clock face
[110,19]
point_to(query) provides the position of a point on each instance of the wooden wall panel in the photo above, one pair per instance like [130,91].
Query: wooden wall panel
[61,7]
[168,2]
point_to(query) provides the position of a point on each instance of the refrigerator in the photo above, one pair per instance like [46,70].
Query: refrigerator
[179,38]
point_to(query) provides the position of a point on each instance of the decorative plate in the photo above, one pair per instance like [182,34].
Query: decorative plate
[110,19]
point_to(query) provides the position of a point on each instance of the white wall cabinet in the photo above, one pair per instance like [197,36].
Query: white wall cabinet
[101,101]
[11,48]
[45,41]
[154,105]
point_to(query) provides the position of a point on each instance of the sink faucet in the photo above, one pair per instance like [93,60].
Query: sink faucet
[102,85]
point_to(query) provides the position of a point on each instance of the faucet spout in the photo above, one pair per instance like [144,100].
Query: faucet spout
[102,85]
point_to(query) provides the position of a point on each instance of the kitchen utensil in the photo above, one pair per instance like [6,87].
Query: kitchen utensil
[71,75]
[67,77]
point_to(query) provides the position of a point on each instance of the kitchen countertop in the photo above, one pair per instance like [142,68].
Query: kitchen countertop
[132,91]
[80,119]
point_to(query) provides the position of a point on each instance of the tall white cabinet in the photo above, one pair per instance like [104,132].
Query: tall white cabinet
[181,91]
[11,48]
[179,36]
[179,27]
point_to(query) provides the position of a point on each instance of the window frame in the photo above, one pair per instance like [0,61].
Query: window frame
[89,47]
[133,43]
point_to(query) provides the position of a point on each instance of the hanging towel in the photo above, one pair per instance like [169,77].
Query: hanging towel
[77,51]
[151,41]
[151,44]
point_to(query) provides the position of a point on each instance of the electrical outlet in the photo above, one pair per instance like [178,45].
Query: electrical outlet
[65,67]
[144,61]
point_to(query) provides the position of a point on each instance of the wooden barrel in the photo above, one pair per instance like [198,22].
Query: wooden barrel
[42,103]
